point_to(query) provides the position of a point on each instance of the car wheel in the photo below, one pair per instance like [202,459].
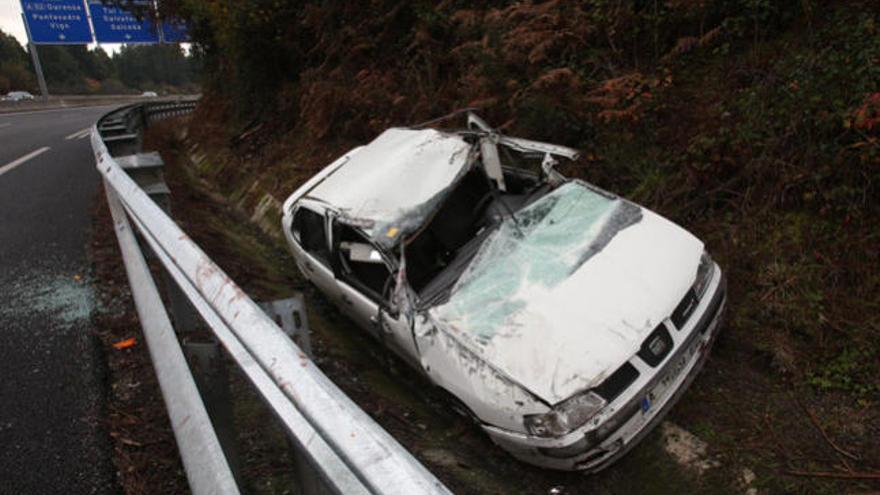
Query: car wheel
[460,408]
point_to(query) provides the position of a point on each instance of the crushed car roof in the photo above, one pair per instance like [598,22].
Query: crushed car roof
[391,185]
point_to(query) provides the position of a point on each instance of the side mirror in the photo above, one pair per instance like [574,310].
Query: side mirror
[361,252]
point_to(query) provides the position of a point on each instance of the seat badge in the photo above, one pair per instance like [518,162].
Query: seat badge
[657,346]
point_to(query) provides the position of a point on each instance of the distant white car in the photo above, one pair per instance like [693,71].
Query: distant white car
[18,96]
[149,94]
[562,318]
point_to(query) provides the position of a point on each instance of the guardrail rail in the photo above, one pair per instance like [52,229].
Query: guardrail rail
[339,448]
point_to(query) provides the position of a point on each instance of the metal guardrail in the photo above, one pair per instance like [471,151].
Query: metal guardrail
[341,449]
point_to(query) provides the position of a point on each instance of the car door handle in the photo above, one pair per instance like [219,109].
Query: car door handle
[309,266]
[346,300]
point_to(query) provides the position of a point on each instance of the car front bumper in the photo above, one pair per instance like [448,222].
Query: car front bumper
[630,417]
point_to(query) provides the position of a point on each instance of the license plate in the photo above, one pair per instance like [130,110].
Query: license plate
[662,387]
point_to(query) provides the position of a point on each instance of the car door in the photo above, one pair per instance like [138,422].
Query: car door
[362,275]
[366,283]
[397,332]
[311,245]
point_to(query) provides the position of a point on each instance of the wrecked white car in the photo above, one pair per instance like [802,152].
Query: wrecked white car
[563,319]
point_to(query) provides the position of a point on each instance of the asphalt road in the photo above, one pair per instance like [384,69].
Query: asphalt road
[51,376]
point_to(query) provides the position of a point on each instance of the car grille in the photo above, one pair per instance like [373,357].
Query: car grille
[685,309]
[633,406]
[615,384]
[712,309]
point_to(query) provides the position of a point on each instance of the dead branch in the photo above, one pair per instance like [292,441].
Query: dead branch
[830,442]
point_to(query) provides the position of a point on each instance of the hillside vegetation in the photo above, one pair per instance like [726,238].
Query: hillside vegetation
[754,123]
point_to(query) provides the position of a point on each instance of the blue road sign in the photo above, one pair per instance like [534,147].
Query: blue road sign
[61,22]
[175,31]
[117,25]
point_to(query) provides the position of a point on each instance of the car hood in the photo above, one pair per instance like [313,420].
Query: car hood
[559,299]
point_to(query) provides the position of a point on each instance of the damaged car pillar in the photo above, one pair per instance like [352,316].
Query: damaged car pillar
[564,319]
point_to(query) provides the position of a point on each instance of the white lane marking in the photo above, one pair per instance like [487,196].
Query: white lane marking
[78,134]
[4,125]
[11,165]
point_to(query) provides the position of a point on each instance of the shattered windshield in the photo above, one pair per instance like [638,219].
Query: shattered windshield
[539,247]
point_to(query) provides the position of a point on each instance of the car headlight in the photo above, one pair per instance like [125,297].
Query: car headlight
[704,275]
[566,416]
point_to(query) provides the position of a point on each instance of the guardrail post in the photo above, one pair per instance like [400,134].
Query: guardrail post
[290,314]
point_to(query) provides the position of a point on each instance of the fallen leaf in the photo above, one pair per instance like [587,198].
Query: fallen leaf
[125,344]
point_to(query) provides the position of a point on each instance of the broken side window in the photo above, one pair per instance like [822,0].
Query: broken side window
[360,264]
[308,229]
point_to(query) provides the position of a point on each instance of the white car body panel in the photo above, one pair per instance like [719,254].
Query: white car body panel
[311,183]
[388,181]
[489,394]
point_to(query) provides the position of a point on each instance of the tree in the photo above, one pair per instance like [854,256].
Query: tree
[15,73]
[151,66]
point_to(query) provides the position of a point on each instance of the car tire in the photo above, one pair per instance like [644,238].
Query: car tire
[460,408]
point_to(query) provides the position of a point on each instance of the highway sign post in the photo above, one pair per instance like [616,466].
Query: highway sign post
[35,57]
[60,22]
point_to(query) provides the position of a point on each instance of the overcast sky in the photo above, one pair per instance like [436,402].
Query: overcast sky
[11,23]
[10,20]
